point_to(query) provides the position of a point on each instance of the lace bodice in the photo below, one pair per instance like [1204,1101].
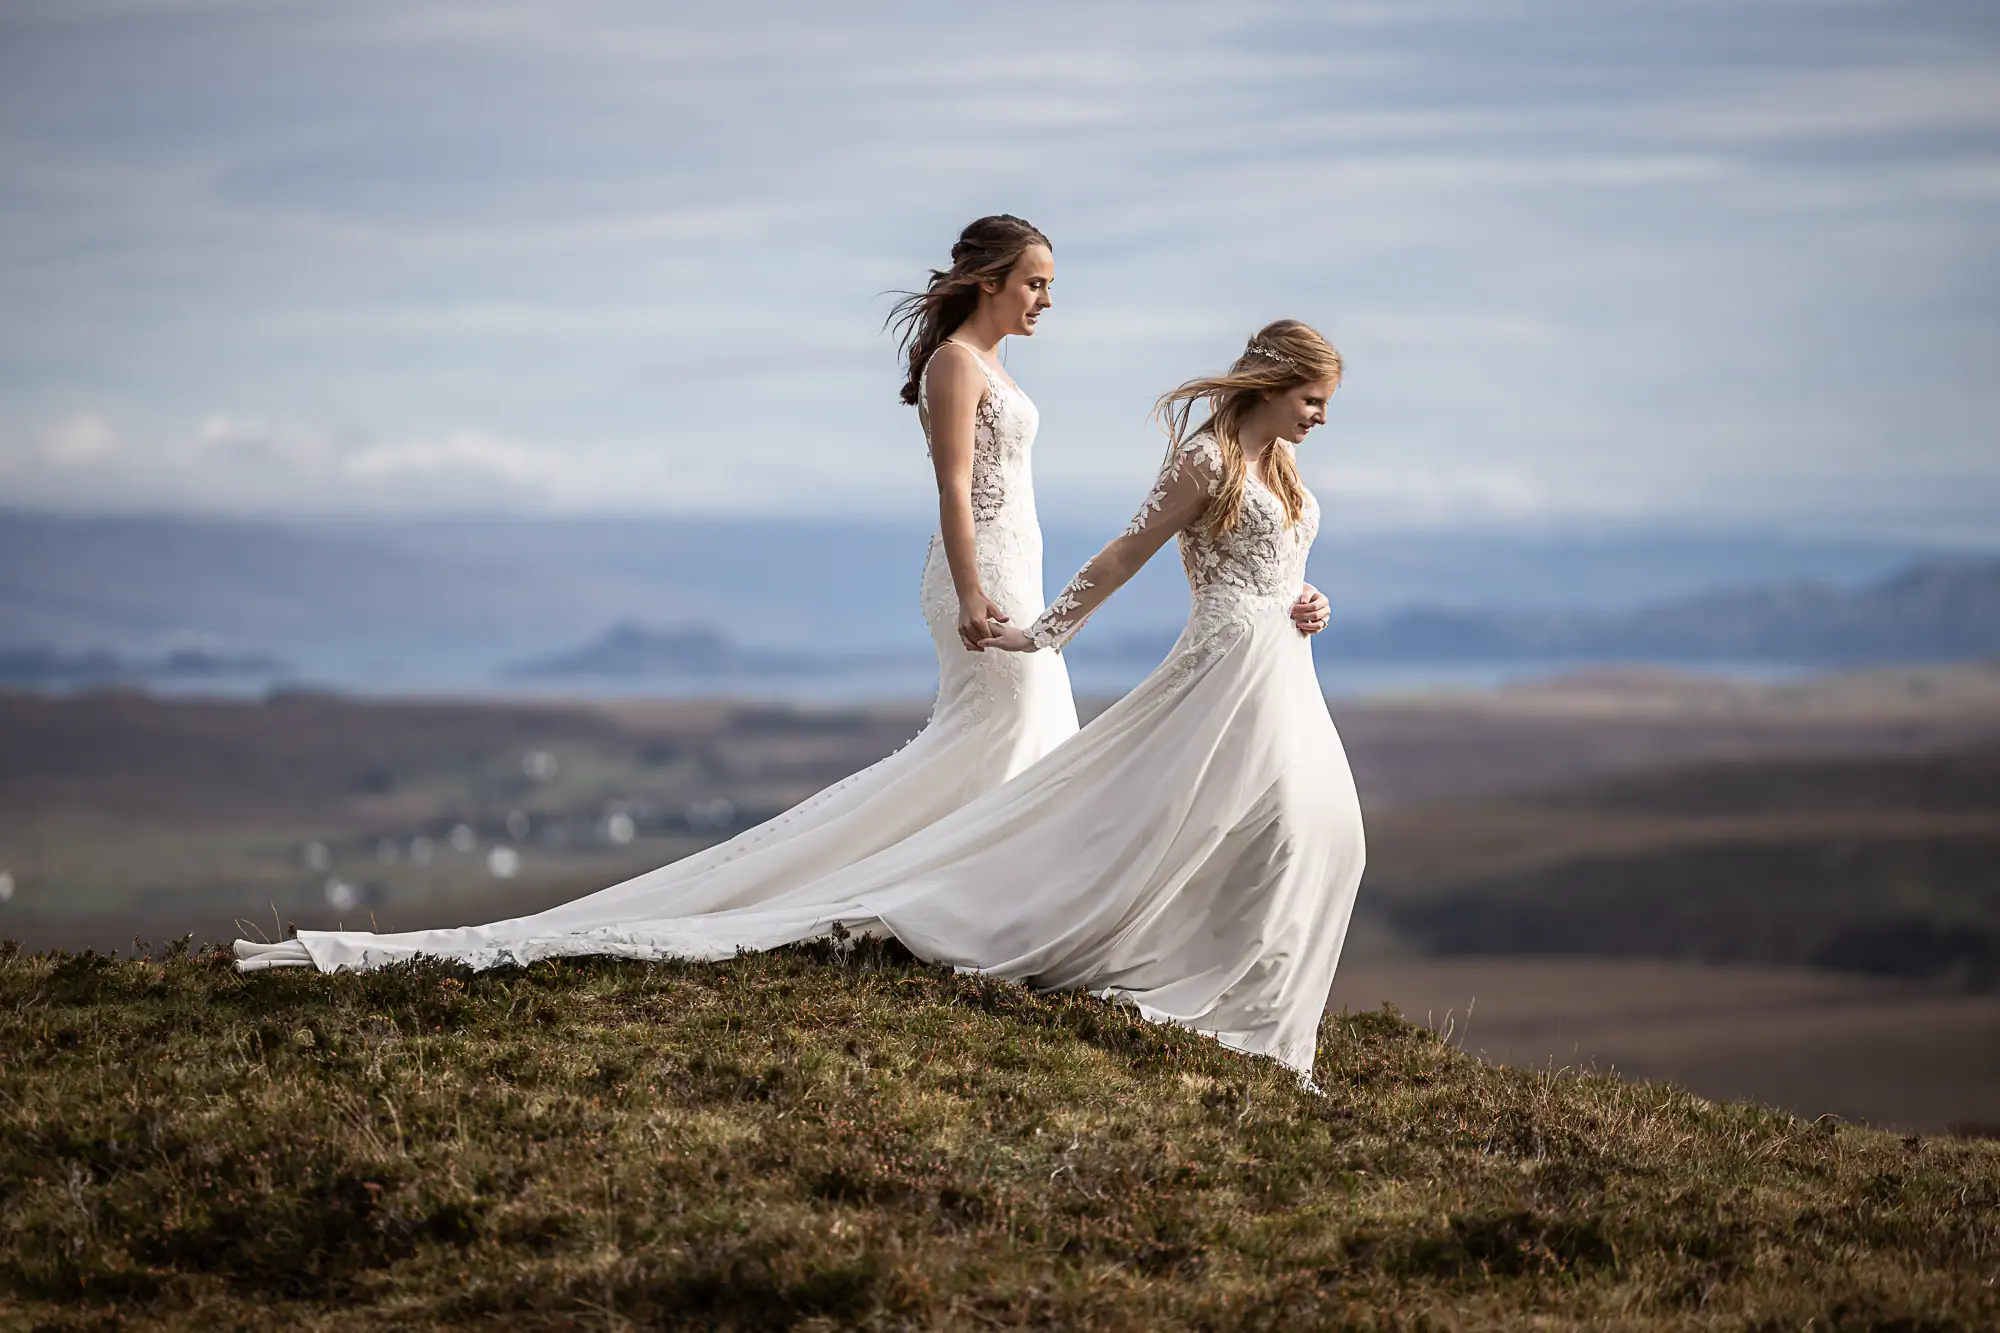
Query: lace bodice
[1003,434]
[1263,560]
[1007,549]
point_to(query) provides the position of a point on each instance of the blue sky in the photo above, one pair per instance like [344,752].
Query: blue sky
[1590,261]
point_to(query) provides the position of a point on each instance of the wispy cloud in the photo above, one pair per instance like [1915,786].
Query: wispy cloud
[1676,260]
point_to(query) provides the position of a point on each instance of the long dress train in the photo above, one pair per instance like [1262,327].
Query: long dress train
[1195,850]
[996,713]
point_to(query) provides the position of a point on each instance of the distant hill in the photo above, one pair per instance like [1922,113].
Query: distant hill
[630,650]
[1930,612]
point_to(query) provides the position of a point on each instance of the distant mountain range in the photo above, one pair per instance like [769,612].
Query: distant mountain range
[478,604]
[1939,611]
[42,665]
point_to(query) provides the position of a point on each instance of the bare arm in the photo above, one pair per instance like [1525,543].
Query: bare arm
[953,389]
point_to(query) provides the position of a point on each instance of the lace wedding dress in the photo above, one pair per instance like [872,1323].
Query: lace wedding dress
[1195,850]
[996,713]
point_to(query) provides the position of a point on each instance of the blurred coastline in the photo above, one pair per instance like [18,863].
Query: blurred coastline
[754,608]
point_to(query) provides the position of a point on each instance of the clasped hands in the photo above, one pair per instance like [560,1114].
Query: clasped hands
[983,625]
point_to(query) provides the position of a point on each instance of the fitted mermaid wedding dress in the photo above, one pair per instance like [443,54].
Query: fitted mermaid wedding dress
[1195,850]
[996,713]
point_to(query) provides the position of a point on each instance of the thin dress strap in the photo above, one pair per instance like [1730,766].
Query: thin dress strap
[924,379]
[993,376]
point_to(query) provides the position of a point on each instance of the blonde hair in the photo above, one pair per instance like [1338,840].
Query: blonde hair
[1284,354]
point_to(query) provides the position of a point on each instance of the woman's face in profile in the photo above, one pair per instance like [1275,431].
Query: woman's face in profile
[1019,300]
[1295,411]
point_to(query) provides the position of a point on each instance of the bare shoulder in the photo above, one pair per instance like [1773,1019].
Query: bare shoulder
[954,388]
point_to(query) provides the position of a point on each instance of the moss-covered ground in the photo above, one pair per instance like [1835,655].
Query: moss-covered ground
[824,1139]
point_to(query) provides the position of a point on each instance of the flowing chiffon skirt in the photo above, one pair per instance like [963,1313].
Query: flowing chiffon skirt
[996,714]
[1196,851]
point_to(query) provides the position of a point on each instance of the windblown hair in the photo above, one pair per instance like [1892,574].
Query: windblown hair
[1283,354]
[987,251]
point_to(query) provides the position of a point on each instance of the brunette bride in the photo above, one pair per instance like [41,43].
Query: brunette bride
[1196,850]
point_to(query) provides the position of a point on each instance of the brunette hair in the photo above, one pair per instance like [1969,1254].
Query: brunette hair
[1283,354]
[987,250]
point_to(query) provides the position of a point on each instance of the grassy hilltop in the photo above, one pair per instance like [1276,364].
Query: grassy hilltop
[806,1140]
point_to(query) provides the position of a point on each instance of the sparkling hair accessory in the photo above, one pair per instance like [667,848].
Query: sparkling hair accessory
[1256,348]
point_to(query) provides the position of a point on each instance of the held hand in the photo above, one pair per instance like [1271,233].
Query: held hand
[1311,610]
[978,618]
[1008,639]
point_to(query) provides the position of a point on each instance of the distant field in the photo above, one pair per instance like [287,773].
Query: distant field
[120,813]
[119,810]
[1813,1042]
[1887,865]
[1457,745]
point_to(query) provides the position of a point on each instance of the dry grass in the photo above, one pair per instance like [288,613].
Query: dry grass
[805,1140]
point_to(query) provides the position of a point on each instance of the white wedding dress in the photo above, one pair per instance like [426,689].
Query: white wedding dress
[1195,850]
[996,713]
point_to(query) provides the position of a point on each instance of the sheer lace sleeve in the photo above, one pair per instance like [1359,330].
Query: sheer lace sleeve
[1181,494]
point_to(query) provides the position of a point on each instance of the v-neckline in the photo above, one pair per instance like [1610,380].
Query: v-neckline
[1251,472]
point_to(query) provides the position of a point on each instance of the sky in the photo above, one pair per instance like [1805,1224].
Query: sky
[1589,261]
